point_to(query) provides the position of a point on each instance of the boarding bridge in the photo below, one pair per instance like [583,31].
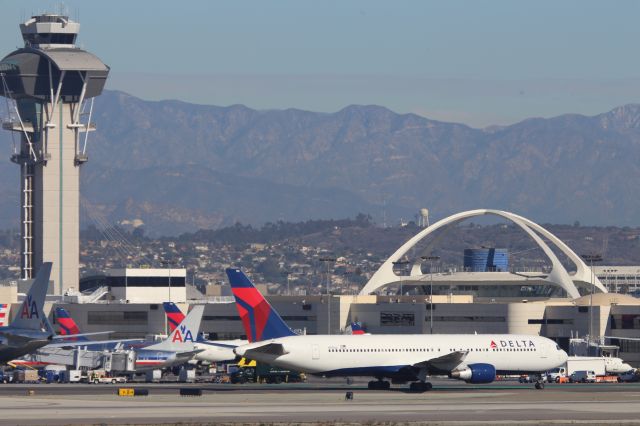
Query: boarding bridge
[78,358]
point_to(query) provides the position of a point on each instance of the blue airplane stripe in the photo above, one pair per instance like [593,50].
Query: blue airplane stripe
[375,370]
[238,279]
[66,329]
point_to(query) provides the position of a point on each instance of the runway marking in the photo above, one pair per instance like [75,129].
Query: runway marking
[549,406]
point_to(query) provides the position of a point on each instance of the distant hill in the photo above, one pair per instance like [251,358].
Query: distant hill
[180,166]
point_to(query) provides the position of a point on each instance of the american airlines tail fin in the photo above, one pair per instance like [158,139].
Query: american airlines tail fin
[259,319]
[67,326]
[174,315]
[184,335]
[31,314]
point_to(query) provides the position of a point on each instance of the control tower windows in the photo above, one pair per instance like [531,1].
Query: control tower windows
[50,38]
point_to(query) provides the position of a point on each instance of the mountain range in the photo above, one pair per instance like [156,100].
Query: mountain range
[180,167]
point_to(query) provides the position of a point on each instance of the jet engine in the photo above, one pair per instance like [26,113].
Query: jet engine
[476,373]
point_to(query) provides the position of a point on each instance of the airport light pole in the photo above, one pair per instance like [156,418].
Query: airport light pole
[169,263]
[286,274]
[615,279]
[328,260]
[591,258]
[401,263]
[346,277]
[431,259]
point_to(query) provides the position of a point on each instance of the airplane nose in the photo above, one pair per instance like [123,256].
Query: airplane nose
[563,356]
[239,350]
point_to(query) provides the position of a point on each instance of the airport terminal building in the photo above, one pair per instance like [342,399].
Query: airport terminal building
[491,299]
[487,296]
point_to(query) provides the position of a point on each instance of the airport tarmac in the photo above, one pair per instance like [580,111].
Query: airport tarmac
[448,403]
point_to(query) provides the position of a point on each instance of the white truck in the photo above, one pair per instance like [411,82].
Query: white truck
[600,365]
[101,376]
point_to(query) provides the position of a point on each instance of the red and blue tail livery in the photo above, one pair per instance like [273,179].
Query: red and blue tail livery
[260,320]
[67,325]
[174,315]
[356,328]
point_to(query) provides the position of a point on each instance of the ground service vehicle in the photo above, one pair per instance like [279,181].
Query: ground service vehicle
[555,374]
[630,376]
[258,372]
[583,376]
[528,378]
[602,366]
[582,363]
[26,376]
[100,376]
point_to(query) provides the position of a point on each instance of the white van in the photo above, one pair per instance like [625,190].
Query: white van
[583,376]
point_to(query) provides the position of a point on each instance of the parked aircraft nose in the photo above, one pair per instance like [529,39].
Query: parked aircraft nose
[562,356]
[239,350]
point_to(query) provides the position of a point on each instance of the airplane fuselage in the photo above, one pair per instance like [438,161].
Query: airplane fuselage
[395,355]
[16,342]
[217,350]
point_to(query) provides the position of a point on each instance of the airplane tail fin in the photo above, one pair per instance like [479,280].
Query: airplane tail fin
[174,315]
[31,314]
[356,328]
[67,325]
[260,320]
[184,335]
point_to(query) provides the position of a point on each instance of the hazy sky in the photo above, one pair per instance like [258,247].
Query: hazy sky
[477,62]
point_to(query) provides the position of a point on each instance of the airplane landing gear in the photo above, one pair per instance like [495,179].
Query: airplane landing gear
[420,387]
[378,385]
[539,382]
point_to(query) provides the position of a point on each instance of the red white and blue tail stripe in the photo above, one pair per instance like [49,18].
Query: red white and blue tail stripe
[67,326]
[174,315]
[4,314]
[260,320]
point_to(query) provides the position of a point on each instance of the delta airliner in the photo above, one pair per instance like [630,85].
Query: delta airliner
[476,358]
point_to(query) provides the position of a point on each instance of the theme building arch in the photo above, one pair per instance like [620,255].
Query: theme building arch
[558,276]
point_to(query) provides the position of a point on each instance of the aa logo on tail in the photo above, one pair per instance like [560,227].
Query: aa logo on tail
[29,309]
[182,334]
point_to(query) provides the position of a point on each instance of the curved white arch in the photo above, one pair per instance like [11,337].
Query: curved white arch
[558,275]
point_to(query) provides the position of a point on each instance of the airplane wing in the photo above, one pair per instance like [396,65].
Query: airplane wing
[182,357]
[217,344]
[270,348]
[17,339]
[443,363]
[62,337]
[80,343]
[631,339]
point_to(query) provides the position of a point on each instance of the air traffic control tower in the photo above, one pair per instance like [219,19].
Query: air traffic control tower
[50,85]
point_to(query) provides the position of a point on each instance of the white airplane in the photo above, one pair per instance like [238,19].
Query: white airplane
[403,358]
[177,349]
[210,350]
[614,365]
[27,332]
